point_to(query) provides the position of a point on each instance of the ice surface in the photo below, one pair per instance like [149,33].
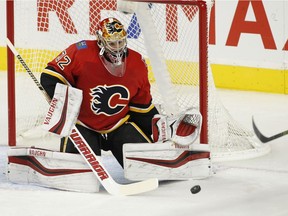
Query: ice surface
[240,188]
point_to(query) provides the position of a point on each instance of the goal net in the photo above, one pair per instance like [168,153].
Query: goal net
[173,39]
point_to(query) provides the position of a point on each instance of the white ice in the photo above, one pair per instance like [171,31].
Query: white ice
[240,188]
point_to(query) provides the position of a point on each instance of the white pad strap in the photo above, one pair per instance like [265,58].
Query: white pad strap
[63,111]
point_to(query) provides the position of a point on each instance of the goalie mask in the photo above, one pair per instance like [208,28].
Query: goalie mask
[113,45]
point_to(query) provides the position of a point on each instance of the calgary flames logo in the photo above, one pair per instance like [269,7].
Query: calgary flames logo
[109,100]
[114,27]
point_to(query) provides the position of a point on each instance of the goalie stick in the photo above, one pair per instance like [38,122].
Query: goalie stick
[89,156]
[263,138]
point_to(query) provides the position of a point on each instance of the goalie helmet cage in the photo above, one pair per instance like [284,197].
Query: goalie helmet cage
[172,36]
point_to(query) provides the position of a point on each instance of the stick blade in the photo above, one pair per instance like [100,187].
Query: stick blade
[138,187]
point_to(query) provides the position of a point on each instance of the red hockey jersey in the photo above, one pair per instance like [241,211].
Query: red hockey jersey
[107,99]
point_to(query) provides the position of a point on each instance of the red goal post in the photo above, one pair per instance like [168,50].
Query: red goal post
[172,36]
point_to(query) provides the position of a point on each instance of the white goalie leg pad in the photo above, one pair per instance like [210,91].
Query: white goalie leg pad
[166,161]
[50,169]
[63,111]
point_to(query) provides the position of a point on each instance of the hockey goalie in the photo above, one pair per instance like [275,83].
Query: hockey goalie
[174,155]
[102,87]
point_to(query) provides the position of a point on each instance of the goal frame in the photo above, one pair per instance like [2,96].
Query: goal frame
[11,75]
[203,65]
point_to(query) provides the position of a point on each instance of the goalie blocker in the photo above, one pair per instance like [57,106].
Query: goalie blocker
[63,110]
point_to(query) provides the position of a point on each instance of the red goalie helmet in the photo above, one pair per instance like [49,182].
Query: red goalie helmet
[112,40]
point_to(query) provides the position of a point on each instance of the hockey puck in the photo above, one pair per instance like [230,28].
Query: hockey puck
[195,189]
